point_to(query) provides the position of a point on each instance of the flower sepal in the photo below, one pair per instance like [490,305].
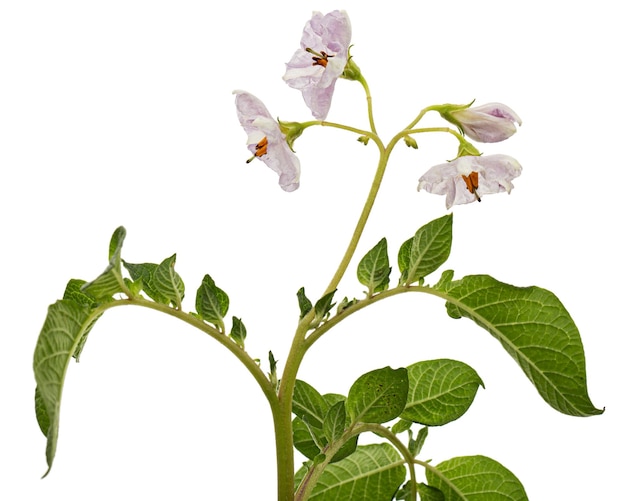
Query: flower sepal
[467,149]
[447,112]
[291,131]
[352,71]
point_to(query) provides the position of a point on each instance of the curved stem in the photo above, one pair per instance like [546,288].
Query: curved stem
[315,472]
[223,339]
[360,226]
[402,449]
[434,129]
[420,116]
[370,109]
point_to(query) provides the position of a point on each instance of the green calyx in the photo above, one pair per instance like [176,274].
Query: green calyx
[292,131]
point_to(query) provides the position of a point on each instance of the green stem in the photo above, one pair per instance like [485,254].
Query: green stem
[420,116]
[360,226]
[370,109]
[402,449]
[315,472]
[223,339]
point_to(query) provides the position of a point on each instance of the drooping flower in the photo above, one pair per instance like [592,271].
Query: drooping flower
[468,178]
[321,59]
[266,141]
[489,123]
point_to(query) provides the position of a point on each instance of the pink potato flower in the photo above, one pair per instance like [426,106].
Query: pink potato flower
[468,178]
[321,59]
[266,141]
[489,123]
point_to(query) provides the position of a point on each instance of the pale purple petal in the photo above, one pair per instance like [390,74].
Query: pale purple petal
[489,123]
[495,173]
[259,124]
[329,34]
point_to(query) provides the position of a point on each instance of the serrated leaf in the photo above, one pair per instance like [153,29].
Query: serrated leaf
[238,332]
[168,283]
[534,327]
[304,302]
[426,251]
[212,302]
[60,335]
[309,404]
[110,281]
[378,396]
[476,477]
[144,273]
[372,472]
[335,422]
[440,391]
[373,270]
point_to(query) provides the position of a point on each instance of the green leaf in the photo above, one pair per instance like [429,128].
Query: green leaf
[323,306]
[74,292]
[110,281]
[335,422]
[238,332]
[304,302]
[444,280]
[378,396]
[309,404]
[373,271]
[426,251]
[168,283]
[344,304]
[371,473]
[60,336]
[401,426]
[43,420]
[307,445]
[212,302]
[415,445]
[440,391]
[476,477]
[273,376]
[144,273]
[534,327]
[428,493]
[303,440]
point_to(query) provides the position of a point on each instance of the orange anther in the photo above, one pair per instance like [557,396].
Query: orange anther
[471,182]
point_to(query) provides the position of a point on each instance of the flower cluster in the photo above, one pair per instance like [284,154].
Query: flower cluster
[323,57]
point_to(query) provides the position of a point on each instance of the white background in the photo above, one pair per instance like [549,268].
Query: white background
[121,113]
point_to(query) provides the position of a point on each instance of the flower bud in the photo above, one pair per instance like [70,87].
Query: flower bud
[489,123]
